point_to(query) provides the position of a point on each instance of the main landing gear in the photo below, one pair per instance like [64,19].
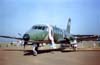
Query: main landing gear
[74,47]
[71,46]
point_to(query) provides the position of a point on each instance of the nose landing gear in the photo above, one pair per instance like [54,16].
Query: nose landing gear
[35,49]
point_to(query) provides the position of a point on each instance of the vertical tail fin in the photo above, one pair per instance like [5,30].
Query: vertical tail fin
[68,26]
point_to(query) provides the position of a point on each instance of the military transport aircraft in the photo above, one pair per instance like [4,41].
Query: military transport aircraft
[53,35]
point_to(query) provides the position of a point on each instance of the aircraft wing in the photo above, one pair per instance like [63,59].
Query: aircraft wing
[83,35]
[38,41]
[11,37]
[78,38]
[87,38]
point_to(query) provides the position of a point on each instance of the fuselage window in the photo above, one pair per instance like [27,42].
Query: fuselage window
[45,28]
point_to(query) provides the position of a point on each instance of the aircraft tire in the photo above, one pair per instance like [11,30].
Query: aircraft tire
[35,53]
[74,48]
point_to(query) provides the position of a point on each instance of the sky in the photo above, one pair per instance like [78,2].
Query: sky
[18,16]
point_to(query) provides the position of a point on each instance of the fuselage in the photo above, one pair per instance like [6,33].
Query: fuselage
[41,32]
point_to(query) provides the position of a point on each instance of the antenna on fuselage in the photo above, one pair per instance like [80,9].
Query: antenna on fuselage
[68,26]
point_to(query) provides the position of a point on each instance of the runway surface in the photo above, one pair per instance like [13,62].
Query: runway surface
[45,57]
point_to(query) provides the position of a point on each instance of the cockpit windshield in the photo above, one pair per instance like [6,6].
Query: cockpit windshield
[40,27]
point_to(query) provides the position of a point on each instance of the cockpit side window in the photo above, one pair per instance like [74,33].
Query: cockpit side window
[34,27]
[39,27]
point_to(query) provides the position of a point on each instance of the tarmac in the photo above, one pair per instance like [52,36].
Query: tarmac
[49,57]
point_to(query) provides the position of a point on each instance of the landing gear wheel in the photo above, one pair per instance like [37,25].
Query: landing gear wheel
[74,48]
[34,53]
[63,47]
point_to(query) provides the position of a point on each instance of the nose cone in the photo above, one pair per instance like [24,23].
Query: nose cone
[26,37]
[37,35]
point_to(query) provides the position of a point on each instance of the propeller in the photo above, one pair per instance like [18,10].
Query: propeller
[26,38]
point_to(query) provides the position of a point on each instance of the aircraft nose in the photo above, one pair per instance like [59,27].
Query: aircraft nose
[26,37]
